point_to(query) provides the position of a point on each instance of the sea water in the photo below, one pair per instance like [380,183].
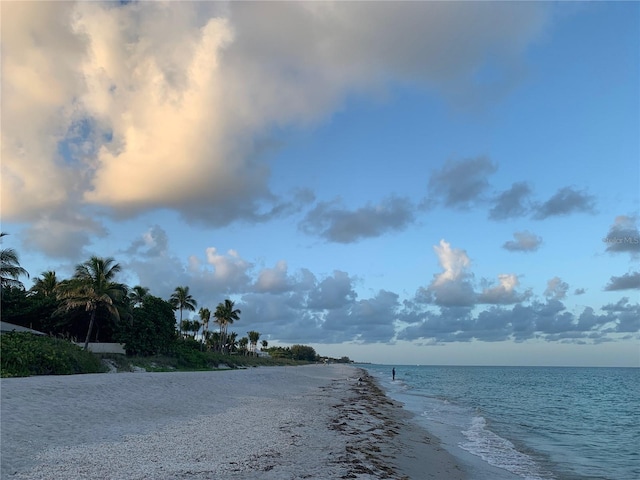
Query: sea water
[535,423]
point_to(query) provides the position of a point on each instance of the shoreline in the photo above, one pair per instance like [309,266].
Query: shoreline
[406,450]
[313,421]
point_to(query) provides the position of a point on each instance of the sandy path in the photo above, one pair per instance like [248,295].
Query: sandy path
[268,423]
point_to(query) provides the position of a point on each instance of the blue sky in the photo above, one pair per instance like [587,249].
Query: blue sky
[395,182]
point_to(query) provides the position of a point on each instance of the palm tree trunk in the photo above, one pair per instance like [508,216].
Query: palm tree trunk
[93,318]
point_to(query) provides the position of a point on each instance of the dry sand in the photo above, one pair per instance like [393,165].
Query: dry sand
[317,422]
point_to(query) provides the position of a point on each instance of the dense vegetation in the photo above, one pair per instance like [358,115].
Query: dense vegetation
[92,307]
[25,354]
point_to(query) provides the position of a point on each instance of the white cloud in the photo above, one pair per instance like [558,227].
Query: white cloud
[452,286]
[505,292]
[273,279]
[40,86]
[149,105]
[168,133]
[229,269]
[454,262]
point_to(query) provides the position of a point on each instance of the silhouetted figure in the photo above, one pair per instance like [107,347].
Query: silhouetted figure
[393,373]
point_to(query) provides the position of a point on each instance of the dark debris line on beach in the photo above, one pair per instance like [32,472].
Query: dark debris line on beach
[365,418]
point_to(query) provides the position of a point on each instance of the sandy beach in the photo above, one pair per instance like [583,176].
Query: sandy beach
[316,421]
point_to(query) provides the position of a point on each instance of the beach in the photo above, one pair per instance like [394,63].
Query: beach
[315,421]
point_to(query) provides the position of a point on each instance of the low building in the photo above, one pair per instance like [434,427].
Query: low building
[10,327]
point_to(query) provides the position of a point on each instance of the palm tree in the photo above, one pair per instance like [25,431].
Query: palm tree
[205,316]
[137,295]
[242,345]
[225,315]
[253,338]
[182,300]
[46,286]
[213,341]
[265,344]
[10,269]
[232,342]
[185,326]
[92,287]
[195,328]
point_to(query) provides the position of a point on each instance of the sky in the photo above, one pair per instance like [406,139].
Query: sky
[442,183]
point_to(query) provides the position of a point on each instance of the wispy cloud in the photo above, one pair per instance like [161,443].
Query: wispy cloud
[524,242]
[511,203]
[335,223]
[628,281]
[153,243]
[565,201]
[461,184]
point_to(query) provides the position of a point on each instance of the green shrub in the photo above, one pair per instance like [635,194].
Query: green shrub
[188,356]
[25,354]
[151,330]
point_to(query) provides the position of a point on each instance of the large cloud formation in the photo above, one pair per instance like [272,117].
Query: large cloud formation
[298,306]
[129,107]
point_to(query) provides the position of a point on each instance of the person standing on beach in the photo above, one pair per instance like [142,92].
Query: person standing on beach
[393,374]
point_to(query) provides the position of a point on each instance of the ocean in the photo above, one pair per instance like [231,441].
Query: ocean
[533,423]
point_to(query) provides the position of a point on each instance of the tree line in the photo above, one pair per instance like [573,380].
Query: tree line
[92,306]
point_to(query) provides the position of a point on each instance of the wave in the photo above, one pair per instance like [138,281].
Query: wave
[500,452]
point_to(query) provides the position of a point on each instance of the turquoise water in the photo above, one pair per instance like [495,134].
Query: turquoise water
[534,423]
